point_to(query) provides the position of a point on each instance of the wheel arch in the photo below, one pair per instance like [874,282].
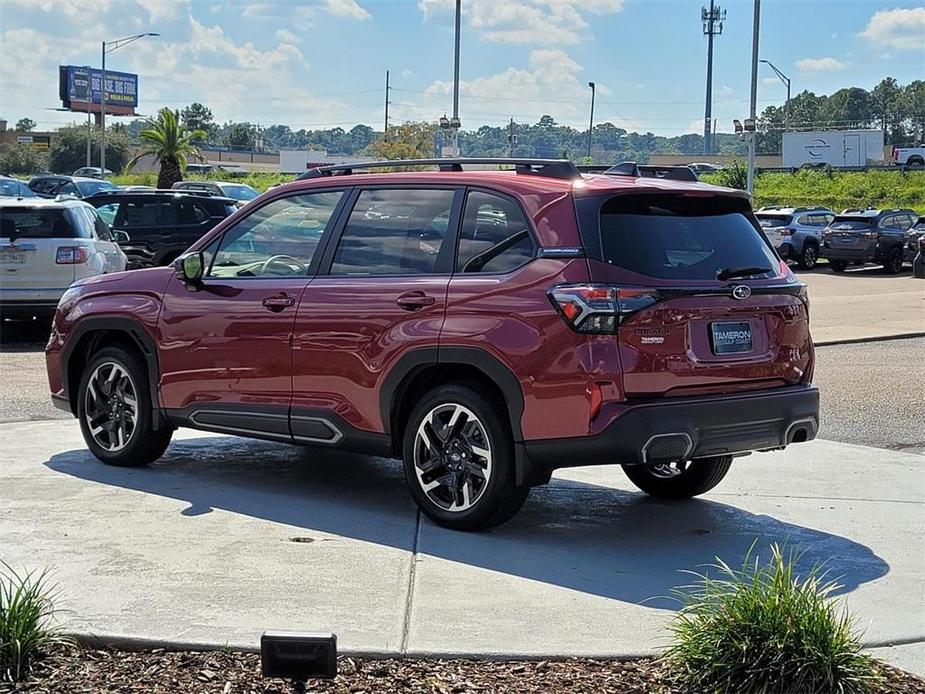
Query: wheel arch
[423,368]
[103,331]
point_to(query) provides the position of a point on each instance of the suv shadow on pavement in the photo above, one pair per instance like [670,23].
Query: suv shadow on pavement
[611,543]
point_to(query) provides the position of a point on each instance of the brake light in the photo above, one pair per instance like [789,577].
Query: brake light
[895,154]
[599,308]
[72,255]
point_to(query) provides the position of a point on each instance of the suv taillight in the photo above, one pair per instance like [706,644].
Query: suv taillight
[599,308]
[72,255]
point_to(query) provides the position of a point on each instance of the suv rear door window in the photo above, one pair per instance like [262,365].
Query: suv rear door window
[394,232]
[675,238]
[851,223]
[154,212]
[495,235]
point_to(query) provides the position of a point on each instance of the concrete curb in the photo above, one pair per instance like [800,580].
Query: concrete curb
[859,340]
[137,643]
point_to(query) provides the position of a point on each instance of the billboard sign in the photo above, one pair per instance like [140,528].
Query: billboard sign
[80,86]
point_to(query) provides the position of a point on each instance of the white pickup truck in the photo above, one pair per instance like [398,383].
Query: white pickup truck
[909,156]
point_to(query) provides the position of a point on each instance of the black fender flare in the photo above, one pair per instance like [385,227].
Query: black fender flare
[135,331]
[401,374]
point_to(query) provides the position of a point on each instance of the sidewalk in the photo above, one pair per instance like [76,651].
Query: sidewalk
[863,303]
[200,546]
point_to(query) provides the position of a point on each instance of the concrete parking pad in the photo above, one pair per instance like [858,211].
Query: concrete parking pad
[199,547]
[863,303]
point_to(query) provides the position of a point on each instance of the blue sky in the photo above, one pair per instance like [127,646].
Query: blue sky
[321,63]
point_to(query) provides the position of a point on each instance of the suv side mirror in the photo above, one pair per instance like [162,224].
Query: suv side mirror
[119,236]
[189,268]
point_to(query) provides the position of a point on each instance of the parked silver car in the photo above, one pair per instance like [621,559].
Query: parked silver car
[796,232]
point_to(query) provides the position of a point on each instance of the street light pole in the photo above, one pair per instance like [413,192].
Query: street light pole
[89,114]
[109,47]
[754,98]
[591,124]
[454,134]
[786,80]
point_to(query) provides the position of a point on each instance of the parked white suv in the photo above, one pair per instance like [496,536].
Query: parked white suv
[45,245]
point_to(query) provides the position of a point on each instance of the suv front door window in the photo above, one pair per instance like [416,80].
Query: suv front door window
[227,341]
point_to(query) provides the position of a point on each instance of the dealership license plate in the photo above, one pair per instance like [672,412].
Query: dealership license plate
[731,338]
[12,256]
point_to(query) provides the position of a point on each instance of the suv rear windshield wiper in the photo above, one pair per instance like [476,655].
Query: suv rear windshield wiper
[731,272]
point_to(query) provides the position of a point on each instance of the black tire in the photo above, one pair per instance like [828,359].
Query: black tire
[894,261]
[915,162]
[838,265]
[497,499]
[809,256]
[143,444]
[698,477]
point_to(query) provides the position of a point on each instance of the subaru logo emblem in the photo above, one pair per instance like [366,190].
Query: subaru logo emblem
[741,291]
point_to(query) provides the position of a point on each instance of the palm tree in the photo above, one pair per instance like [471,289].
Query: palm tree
[170,145]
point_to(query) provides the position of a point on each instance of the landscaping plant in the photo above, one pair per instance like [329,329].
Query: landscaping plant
[26,620]
[765,628]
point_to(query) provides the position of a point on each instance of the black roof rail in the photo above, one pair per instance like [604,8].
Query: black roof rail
[631,168]
[550,168]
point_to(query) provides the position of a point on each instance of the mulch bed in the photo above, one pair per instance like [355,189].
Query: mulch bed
[104,671]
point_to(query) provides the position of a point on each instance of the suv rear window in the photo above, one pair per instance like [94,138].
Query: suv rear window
[769,221]
[850,223]
[677,238]
[38,223]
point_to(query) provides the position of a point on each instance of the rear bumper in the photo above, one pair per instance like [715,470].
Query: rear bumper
[668,429]
[870,253]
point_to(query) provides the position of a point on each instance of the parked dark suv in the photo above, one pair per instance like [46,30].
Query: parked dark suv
[867,236]
[486,327]
[160,223]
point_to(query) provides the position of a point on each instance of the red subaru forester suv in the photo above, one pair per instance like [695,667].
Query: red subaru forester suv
[486,327]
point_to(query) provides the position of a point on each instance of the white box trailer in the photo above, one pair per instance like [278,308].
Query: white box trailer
[300,160]
[837,148]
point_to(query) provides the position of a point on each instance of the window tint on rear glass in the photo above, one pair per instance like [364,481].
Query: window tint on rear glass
[495,236]
[768,221]
[88,188]
[37,223]
[851,223]
[669,237]
[393,232]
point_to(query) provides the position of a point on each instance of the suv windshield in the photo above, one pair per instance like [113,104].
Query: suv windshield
[768,221]
[238,191]
[677,238]
[37,223]
[851,223]
[88,188]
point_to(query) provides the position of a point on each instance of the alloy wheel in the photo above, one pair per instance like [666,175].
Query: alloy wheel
[452,457]
[809,257]
[111,406]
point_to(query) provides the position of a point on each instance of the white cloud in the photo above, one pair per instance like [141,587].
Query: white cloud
[903,29]
[286,36]
[346,8]
[820,65]
[726,90]
[548,22]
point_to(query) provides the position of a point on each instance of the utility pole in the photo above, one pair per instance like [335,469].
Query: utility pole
[103,116]
[712,26]
[754,98]
[511,138]
[591,124]
[385,129]
[786,82]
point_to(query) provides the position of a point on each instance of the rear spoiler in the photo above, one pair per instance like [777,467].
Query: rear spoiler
[631,168]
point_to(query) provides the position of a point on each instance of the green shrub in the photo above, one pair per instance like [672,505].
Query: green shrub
[26,620]
[763,628]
